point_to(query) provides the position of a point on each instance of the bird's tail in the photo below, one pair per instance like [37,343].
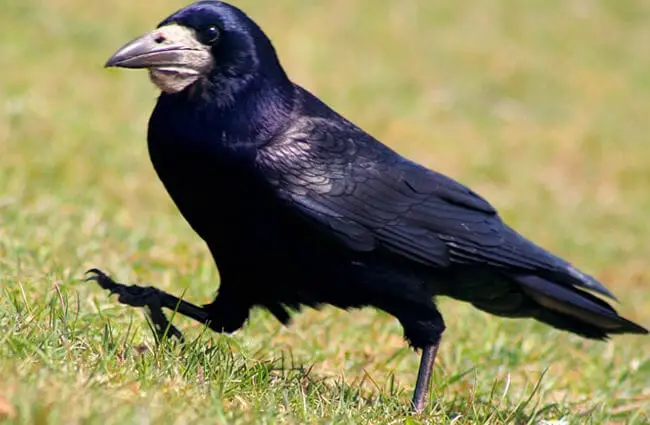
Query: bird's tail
[575,310]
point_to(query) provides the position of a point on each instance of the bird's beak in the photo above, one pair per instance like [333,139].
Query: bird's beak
[168,46]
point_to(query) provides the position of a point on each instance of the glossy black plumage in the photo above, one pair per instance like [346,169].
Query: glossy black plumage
[299,207]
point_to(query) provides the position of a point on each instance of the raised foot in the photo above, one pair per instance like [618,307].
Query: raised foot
[141,296]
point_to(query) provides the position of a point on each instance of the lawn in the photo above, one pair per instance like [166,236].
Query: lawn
[541,106]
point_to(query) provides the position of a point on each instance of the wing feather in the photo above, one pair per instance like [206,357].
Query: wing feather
[371,198]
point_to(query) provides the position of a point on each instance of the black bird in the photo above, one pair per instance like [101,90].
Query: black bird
[280,186]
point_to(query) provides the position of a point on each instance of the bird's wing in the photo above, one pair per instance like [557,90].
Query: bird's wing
[370,198]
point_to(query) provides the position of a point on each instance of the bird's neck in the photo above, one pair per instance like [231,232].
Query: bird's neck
[248,115]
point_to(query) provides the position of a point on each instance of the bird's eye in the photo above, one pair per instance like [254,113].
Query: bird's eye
[210,35]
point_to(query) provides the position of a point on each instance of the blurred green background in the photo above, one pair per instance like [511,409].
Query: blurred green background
[541,106]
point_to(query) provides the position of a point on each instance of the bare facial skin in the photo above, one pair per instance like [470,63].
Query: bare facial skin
[172,54]
[193,64]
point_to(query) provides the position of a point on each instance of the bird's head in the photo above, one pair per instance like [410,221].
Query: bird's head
[208,43]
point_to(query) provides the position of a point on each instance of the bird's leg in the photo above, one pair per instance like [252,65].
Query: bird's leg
[423,328]
[153,299]
[421,393]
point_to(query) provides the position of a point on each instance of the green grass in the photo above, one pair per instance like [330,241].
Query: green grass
[541,106]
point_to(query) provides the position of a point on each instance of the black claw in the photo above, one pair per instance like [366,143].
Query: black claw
[96,274]
[102,279]
[138,296]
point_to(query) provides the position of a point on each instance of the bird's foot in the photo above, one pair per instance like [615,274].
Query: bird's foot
[139,296]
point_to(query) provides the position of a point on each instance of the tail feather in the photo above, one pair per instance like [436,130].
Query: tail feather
[575,310]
